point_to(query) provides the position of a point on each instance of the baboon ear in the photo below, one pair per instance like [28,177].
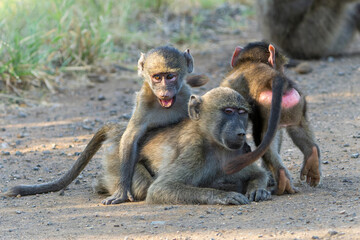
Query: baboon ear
[189,61]
[271,58]
[235,55]
[141,63]
[194,107]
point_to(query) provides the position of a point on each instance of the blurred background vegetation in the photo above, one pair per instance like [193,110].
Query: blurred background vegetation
[39,39]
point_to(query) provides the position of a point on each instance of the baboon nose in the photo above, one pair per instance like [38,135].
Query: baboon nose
[241,133]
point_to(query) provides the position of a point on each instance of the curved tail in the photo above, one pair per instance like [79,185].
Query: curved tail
[240,162]
[94,145]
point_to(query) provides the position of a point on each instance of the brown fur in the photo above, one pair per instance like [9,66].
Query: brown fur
[182,163]
[308,29]
[252,75]
[148,114]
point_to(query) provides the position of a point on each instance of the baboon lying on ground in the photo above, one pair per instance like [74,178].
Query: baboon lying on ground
[182,164]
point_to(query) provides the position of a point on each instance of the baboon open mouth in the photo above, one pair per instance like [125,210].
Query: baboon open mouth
[167,103]
[290,98]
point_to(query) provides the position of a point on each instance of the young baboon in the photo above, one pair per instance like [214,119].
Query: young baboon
[161,101]
[257,69]
[192,154]
[308,29]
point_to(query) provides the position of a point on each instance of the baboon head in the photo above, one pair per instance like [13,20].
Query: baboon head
[164,69]
[259,52]
[222,116]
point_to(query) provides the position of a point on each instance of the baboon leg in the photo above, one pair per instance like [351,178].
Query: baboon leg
[303,138]
[272,161]
[141,182]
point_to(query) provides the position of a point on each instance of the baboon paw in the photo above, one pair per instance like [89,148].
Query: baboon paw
[311,169]
[118,197]
[258,195]
[284,184]
[234,198]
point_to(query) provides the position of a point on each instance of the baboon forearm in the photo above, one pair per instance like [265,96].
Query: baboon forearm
[128,153]
[178,193]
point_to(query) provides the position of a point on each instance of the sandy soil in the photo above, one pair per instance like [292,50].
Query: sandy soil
[39,142]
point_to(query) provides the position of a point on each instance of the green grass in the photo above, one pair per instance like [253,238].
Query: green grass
[39,38]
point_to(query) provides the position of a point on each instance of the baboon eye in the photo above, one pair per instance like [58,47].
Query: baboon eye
[157,77]
[229,110]
[242,111]
[170,76]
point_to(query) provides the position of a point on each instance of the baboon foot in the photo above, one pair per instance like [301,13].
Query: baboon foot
[118,197]
[311,169]
[258,195]
[284,185]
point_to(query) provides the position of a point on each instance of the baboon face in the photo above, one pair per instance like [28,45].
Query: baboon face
[232,133]
[164,68]
[223,115]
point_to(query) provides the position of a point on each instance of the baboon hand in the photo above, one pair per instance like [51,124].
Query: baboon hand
[258,195]
[311,169]
[119,197]
[231,198]
[284,184]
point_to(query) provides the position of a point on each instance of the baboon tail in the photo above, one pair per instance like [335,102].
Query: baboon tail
[240,162]
[94,145]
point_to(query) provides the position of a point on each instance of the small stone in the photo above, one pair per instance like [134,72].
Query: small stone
[5,153]
[18,153]
[113,112]
[18,212]
[97,78]
[303,68]
[346,145]
[315,237]
[332,232]
[341,73]
[49,223]
[325,162]
[86,127]
[116,225]
[347,180]
[125,116]
[157,222]
[101,97]
[16,176]
[3,129]
[356,136]
[36,168]
[62,192]
[22,115]
[330,59]
[77,182]
[355,155]
[46,152]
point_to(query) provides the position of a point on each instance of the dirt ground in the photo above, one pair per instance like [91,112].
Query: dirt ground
[41,140]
